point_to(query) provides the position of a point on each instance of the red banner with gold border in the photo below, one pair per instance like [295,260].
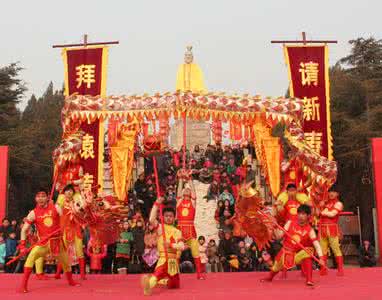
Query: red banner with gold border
[308,70]
[4,163]
[85,74]
[376,146]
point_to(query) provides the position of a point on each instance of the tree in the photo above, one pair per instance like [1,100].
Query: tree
[39,129]
[31,136]
[11,91]
[356,96]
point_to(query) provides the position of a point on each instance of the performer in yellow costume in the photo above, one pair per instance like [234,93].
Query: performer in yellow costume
[328,231]
[170,244]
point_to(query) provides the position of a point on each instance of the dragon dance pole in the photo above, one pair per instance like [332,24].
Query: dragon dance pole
[156,176]
[55,176]
[184,139]
[42,241]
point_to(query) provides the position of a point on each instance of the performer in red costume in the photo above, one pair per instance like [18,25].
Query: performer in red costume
[288,210]
[328,231]
[72,174]
[291,170]
[294,175]
[72,232]
[169,244]
[46,217]
[185,212]
[291,254]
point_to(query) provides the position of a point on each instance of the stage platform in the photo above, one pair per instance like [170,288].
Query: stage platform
[365,284]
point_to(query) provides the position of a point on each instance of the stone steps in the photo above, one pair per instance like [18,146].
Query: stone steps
[205,223]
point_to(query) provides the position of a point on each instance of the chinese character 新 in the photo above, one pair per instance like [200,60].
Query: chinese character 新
[314,140]
[309,73]
[88,182]
[85,74]
[311,110]
[87,146]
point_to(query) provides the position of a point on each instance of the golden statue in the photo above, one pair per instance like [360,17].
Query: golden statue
[190,75]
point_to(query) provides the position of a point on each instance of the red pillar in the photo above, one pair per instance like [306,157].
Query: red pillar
[4,150]
[376,145]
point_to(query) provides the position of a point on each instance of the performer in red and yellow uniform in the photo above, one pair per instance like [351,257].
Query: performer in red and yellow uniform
[185,214]
[72,174]
[169,250]
[294,175]
[328,231]
[291,254]
[71,229]
[46,217]
[287,206]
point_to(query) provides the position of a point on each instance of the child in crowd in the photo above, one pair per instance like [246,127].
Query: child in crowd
[96,252]
[150,255]
[11,249]
[213,258]
[203,252]
[226,195]
[50,264]
[213,191]
[123,248]
[2,253]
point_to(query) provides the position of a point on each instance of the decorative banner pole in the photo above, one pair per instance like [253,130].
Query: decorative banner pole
[85,74]
[184,139]
[308,70]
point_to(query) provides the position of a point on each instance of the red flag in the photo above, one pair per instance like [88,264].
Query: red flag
[309,80]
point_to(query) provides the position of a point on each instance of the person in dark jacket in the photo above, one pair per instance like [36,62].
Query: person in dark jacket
[226,250]
[139,238]
[10,250]
[367,255]
[5,228]
[140,186]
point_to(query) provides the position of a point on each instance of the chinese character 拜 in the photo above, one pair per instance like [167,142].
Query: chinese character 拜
[311,109]
[314,140]
[88,182]
[85,74]
[309,73]
[87,146]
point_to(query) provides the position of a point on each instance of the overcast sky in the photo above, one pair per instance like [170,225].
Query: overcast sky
[231,38]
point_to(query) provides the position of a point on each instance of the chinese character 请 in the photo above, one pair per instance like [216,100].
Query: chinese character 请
[314,140]
[85,74]
[88,182]
[311,109]
[87,146]
[309,73]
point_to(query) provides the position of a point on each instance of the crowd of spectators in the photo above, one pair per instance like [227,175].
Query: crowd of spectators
[135,251]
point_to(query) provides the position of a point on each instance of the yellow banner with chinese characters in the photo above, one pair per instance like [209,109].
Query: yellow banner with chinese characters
[308,70]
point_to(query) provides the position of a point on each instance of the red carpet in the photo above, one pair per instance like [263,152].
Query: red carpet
[365,284]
